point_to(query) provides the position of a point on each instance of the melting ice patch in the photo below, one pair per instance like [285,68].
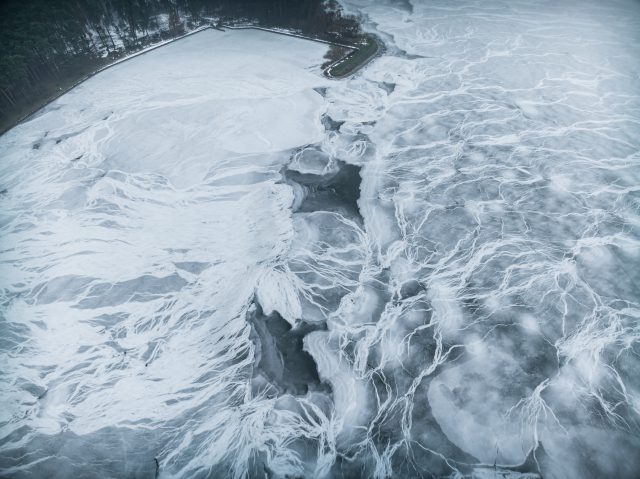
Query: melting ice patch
[216,263]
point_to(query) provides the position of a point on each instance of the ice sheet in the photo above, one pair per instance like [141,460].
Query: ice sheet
[454,233]
[140,212]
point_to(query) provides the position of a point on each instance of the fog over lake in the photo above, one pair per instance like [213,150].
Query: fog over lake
[217,262]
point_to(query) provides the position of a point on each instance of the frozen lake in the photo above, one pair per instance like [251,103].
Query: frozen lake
[215,262]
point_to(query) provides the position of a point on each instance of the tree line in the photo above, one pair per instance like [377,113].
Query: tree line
[46,46]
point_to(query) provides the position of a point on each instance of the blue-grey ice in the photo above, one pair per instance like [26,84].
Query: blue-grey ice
[215,262]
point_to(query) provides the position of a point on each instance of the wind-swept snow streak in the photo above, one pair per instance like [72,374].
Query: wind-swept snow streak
[241,269]
[139,214]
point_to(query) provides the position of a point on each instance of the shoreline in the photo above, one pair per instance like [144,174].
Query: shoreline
[354,49]
[53,98]
[358,64]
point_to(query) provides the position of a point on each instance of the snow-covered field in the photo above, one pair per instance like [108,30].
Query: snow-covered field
[215,262]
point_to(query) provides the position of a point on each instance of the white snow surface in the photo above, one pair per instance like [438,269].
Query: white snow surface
[142,210]
[478,316]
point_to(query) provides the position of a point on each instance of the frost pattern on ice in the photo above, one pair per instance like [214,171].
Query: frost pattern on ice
[472,306]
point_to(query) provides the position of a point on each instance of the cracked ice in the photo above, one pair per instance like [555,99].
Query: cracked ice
[214,258]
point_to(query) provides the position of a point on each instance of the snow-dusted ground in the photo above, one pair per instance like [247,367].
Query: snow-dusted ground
[182,231]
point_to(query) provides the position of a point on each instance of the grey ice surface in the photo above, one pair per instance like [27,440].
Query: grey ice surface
[233,267]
